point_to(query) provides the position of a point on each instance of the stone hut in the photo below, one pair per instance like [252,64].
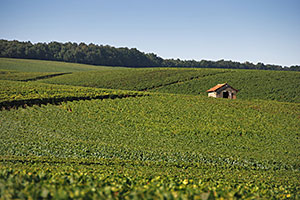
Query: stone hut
[222,91]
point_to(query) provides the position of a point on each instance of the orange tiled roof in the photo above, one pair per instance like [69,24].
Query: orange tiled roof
[213,89]
[216,87]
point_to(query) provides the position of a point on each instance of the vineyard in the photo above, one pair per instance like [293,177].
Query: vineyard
[115,179]
[148,134]
[132,79]
[26,65]
[252,84]
[16,94]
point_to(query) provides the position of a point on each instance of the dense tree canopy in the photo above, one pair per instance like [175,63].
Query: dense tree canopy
[111,56]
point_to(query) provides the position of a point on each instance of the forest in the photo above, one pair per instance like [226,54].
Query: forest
[111,56]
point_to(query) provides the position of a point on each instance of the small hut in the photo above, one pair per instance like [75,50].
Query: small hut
[222,91]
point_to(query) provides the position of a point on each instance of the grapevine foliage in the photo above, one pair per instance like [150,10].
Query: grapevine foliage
[76,142]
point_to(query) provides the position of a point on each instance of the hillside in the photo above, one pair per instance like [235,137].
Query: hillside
[252,84]
[107,140]
[28,65]
[14,94]
[189,129]
[132,79]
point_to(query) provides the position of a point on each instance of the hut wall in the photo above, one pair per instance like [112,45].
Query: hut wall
[231,93]
[212,94]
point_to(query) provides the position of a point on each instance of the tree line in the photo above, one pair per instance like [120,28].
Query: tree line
[112,56]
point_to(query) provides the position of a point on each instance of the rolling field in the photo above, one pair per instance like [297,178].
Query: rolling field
[189,132]
[259,157]
[132,79]
[27,65]
[149,134]
[252,84]
[15,93]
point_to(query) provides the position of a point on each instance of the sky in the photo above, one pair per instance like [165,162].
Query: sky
[265,31]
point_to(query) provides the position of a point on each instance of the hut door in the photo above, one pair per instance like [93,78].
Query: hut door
[225,95]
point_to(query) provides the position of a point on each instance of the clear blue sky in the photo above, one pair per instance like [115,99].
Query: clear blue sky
[265,31]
